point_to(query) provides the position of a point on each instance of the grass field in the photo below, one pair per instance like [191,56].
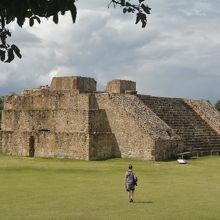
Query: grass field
[56,189]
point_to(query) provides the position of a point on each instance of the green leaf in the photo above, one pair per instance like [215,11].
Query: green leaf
[11,56]
[2,55]
[146,8]
[29,13]
[138,18]
[20,21]
[144,23]
[16,50]
[31,21]
[37,18]
[56,19]
[63,12]
[128,4]
[73,13]
[143,19]
[130,9]
[8,33]
[2,21]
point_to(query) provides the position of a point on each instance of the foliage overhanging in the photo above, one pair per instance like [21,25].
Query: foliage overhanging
[34,10]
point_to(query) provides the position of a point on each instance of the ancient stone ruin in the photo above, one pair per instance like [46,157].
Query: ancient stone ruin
[71,119]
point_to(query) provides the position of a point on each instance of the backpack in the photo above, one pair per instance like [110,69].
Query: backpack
[131,179]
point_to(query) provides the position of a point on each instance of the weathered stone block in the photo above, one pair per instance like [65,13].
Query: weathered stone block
[121,86]
[81,84]
[65,145]
[103,146]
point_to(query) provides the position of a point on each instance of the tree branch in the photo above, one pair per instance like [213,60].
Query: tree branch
[34,10]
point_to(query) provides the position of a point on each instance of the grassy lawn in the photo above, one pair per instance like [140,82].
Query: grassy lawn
[56,189]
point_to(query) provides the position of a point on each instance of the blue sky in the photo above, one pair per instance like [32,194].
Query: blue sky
[177,55]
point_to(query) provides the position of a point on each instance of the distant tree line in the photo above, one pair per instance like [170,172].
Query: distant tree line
[1,102]
[217,105]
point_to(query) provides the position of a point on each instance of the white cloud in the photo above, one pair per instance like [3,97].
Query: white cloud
[177,54]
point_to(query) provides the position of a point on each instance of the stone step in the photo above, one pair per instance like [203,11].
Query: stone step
[202,148]
[210,140]
[201,143]
[195,132]
[206,139]
[185,122]
[205,149]
[188,126]
[202,138]
[180,118]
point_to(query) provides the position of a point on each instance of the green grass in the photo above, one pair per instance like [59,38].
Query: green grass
[56,189]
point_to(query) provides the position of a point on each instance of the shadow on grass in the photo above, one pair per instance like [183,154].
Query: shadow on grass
[147,202]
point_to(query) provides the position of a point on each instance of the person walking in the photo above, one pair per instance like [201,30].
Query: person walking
[130,181]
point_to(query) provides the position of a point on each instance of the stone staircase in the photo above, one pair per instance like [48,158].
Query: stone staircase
[197,135]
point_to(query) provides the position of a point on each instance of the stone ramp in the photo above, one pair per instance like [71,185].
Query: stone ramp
[207,112]
[143,115]
[197,134]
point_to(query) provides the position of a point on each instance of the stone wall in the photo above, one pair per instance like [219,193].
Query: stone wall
[45,100]
[58,122]
[121,86]
[47,144]
[82,84]
[69,145]
[102,142]
[52,120]
[103,146]
[168,149]
[98,121]
[15,143]
[130,144]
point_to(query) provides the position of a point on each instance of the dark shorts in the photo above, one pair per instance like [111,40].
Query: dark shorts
[130,187]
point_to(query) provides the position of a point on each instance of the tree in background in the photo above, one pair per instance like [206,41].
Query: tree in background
[217,105]
[1,102]
[34,10]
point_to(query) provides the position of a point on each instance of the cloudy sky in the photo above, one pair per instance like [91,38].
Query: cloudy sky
[177,55]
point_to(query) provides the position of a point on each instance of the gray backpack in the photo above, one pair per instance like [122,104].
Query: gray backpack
[131,179]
